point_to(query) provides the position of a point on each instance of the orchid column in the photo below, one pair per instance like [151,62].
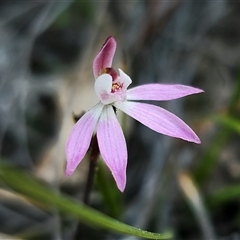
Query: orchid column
[111,89]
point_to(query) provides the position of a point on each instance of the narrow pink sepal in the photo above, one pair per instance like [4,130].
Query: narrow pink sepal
[80,138]
[160,92]
[159,120]
[105,57]
[112,145]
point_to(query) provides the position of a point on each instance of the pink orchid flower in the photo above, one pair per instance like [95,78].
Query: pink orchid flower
[111,89]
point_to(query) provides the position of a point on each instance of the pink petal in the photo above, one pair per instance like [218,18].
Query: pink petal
[104,57]
[158,119]
[160,92]
[112,145]
[80,138]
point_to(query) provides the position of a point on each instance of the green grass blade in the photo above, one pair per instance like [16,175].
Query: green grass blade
[28,186]
[107,187]
[224,195]
[229,122]
[210,157]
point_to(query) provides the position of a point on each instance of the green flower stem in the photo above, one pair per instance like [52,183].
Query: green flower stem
[92,169]
[93,157]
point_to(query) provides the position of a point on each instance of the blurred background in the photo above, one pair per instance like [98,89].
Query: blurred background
[46,54]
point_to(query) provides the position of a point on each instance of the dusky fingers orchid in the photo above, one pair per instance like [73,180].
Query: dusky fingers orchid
[111,89]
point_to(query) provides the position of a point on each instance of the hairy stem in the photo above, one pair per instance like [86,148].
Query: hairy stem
[94,153]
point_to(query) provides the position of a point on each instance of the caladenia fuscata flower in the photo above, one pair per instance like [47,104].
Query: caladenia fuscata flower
[111,89]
